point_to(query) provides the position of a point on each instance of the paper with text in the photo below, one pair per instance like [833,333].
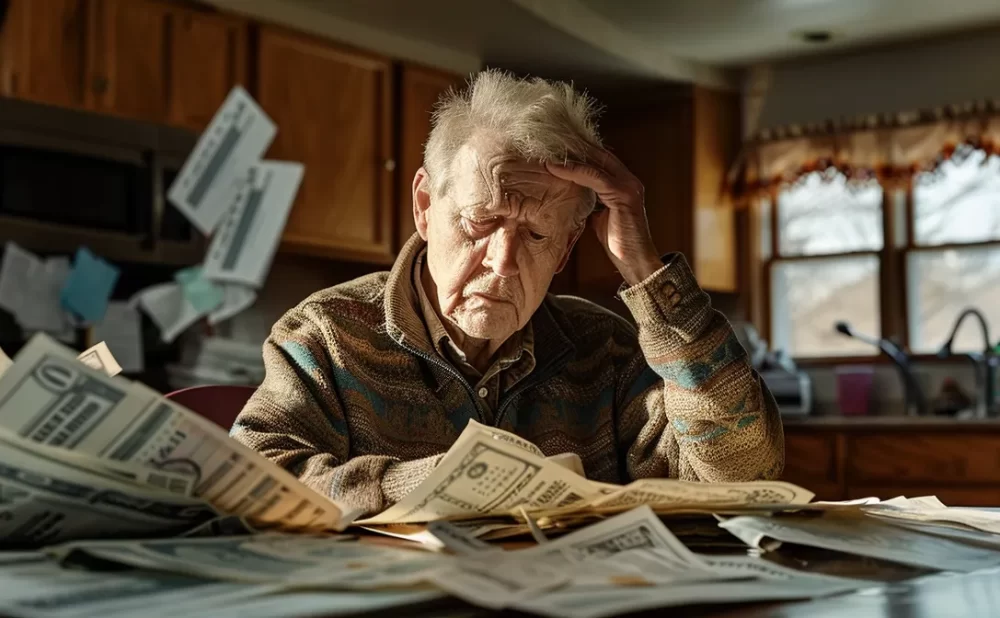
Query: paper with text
[169,309]
[484,473]
[50,397]
[236,138]
[244,246]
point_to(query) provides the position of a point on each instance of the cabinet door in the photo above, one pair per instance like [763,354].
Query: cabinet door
[716,145]
[42,51]
[333,111]
[208,56]
[129,52]
[421,88]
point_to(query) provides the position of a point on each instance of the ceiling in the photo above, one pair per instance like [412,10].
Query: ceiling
[740,32]
[602,41]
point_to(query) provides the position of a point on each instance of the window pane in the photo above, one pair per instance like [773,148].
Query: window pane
[820,215]
[808,297]
[959,202]
[942,284]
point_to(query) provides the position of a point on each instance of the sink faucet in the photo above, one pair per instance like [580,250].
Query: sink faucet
[985,363]
[915,401]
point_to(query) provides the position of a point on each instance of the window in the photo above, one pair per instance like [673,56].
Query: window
[832,259]
[955,259]
[826,265]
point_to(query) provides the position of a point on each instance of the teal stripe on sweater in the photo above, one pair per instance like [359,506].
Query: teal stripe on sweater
[691,374]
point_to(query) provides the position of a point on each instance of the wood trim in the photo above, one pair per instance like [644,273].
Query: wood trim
[825,256]
[389,164]
[982,244]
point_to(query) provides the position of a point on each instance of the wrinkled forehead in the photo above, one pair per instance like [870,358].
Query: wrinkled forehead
[485,177]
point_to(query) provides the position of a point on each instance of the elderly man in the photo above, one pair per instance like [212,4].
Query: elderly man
[370,382]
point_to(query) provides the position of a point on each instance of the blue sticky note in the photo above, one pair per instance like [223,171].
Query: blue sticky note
[203,295]
[88,287]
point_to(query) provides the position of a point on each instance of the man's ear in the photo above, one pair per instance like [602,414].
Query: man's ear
[573,237]
[421,200]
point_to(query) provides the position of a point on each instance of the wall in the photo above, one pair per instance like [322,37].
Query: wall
[917,75]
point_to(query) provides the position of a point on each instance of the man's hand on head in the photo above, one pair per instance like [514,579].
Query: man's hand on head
[621,227]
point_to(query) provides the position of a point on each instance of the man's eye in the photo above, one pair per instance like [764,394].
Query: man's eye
[536,235]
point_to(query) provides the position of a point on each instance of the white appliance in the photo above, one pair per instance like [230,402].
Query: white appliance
[791,390]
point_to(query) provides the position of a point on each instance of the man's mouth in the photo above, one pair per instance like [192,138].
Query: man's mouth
[490,297]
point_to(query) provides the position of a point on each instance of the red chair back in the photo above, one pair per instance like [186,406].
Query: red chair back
[218,403]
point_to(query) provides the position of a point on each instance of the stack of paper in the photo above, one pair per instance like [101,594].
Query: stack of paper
[86,455]
[227,191]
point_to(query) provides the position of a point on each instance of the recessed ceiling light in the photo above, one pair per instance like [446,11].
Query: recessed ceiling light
[815,37]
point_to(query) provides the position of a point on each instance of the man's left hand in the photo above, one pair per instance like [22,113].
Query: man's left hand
[622,227]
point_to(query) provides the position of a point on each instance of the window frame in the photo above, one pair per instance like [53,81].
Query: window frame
[898,223]
[883,257]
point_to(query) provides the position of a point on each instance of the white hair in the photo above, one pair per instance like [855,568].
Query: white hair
[534,119]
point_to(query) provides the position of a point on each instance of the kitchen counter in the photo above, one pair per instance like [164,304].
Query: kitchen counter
[840,458]
[903,423]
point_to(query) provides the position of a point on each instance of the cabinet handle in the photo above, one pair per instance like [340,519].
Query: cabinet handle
[100,84]
[390,165]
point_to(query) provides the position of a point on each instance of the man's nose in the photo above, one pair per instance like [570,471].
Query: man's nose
[501,253]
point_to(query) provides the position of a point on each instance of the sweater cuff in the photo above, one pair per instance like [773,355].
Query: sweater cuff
[669,306]
[402,477]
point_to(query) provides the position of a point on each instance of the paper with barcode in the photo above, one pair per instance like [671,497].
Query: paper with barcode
[236,139]
[50,397]
[244,245]
[488,471]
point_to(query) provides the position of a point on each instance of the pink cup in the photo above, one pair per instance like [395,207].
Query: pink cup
[854,389]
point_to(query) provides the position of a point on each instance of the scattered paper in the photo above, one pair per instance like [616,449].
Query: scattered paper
[99,357]
[597,602]
[203,295]
[169,309]
[485,472]
[864,536]
[121,330]
[30,289]
[457,540]
[45,312]
[5,361]
[243,248]
[236,138]
[236,299]
[48,396]
[89,286]
[18,272]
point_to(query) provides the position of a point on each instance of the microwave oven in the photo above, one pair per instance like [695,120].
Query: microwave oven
[71,178]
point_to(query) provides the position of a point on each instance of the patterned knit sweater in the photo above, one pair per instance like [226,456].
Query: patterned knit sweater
[359,406]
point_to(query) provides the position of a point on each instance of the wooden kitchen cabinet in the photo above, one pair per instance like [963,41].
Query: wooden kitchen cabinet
[333,108]
[679,141]
[42,51]
[207,56]
[162,62]
[420,90]
[846,458]
[146,59]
